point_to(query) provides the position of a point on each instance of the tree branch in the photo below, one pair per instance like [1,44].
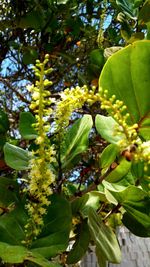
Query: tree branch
[20,96]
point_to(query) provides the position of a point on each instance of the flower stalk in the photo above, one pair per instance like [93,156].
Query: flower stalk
[41,176]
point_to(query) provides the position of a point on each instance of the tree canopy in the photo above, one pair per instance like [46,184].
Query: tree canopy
[74,128]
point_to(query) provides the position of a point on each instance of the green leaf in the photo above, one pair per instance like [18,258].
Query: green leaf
[4,122]
[126,75]
[106,127]
[136,37]
[108,187]
[144,182]
[55,235]
[138,170]
[18,218]
[137,204]
[144,15]
[78,204]
[54,238]
[144,129]
[119,172]
[108,155]
[62,2]
[16,157]
[113,186]
[92,201]
[89,200]
[29,56]
[128,7]
[134,226]
[2,140]
[102,261]
[12,254]
[104,238]
[25,126]
[41,261]
[96,57]
[8,191]
[33,19]
[75,141]
[110,197]
[19,254]
[81,244]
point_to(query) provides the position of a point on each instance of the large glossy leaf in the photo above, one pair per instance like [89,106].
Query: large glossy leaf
[144,128]
[128,7]
[138,170]
[12,254]
[108,155]
[106,127]
[19,254]
[93,201]
[108,187]
[81,244]
[16,157]
[25,126]
[144,15]
[9,190]
[13,216]
[134,226]
[55,235]
[41,261]
[89,200]
[76,140]
[102,261]
[12,225]
[126,75]
[119,172]
[136,202]
[104,238]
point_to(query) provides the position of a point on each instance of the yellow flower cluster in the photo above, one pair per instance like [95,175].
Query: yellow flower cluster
[143,153]
[118,111]
[71,99]
[40,177]
[75,98]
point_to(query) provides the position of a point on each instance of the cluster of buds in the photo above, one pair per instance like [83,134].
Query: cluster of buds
[143,153]
[118,111]
[41,176]
[75,98]
[131,140]
[71,99]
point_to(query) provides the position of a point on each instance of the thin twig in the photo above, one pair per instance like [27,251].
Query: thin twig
[8,84]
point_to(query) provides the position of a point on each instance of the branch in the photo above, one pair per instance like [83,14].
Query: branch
[7,83]
[93,186]
[97,182]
